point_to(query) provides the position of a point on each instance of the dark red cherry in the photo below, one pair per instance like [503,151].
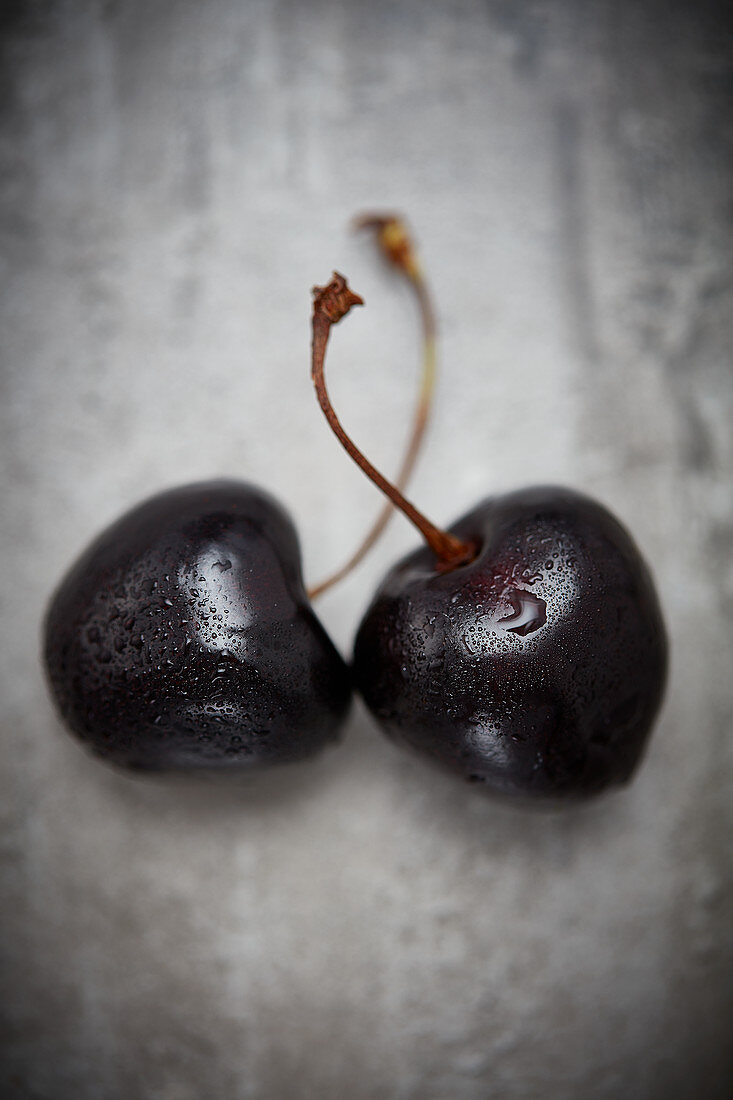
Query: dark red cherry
[183,638]
[538,667]
[523,649]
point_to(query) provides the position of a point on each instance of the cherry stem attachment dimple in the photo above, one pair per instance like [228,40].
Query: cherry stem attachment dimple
[397,247]
[330,304]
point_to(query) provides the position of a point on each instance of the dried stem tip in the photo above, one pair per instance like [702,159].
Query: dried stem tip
[393,239]
[334,300]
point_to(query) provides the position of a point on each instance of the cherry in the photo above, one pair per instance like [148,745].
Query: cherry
[537,667]
[183,638]
[523,649]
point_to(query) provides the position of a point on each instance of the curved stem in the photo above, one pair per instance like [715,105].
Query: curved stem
[395,243]
[330,304]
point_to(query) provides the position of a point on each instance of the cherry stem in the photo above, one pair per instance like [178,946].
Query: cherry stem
[330,304]
[396,245]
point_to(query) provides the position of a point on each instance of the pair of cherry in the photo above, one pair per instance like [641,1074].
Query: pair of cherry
[524,648]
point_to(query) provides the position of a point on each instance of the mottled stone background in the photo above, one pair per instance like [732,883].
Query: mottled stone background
[175,176]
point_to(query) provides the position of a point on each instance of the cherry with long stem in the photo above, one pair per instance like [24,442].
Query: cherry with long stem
[396,245]
[330,304]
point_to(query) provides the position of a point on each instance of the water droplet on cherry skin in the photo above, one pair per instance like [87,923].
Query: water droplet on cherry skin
[528,612]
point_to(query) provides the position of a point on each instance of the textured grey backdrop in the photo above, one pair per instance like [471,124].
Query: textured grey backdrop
[175,176]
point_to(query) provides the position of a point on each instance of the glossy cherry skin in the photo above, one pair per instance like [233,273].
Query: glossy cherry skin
[183,638]
[537,669]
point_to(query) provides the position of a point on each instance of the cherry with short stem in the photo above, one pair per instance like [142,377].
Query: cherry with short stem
[330,304]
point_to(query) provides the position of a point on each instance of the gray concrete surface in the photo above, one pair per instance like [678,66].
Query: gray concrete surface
[175,177]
